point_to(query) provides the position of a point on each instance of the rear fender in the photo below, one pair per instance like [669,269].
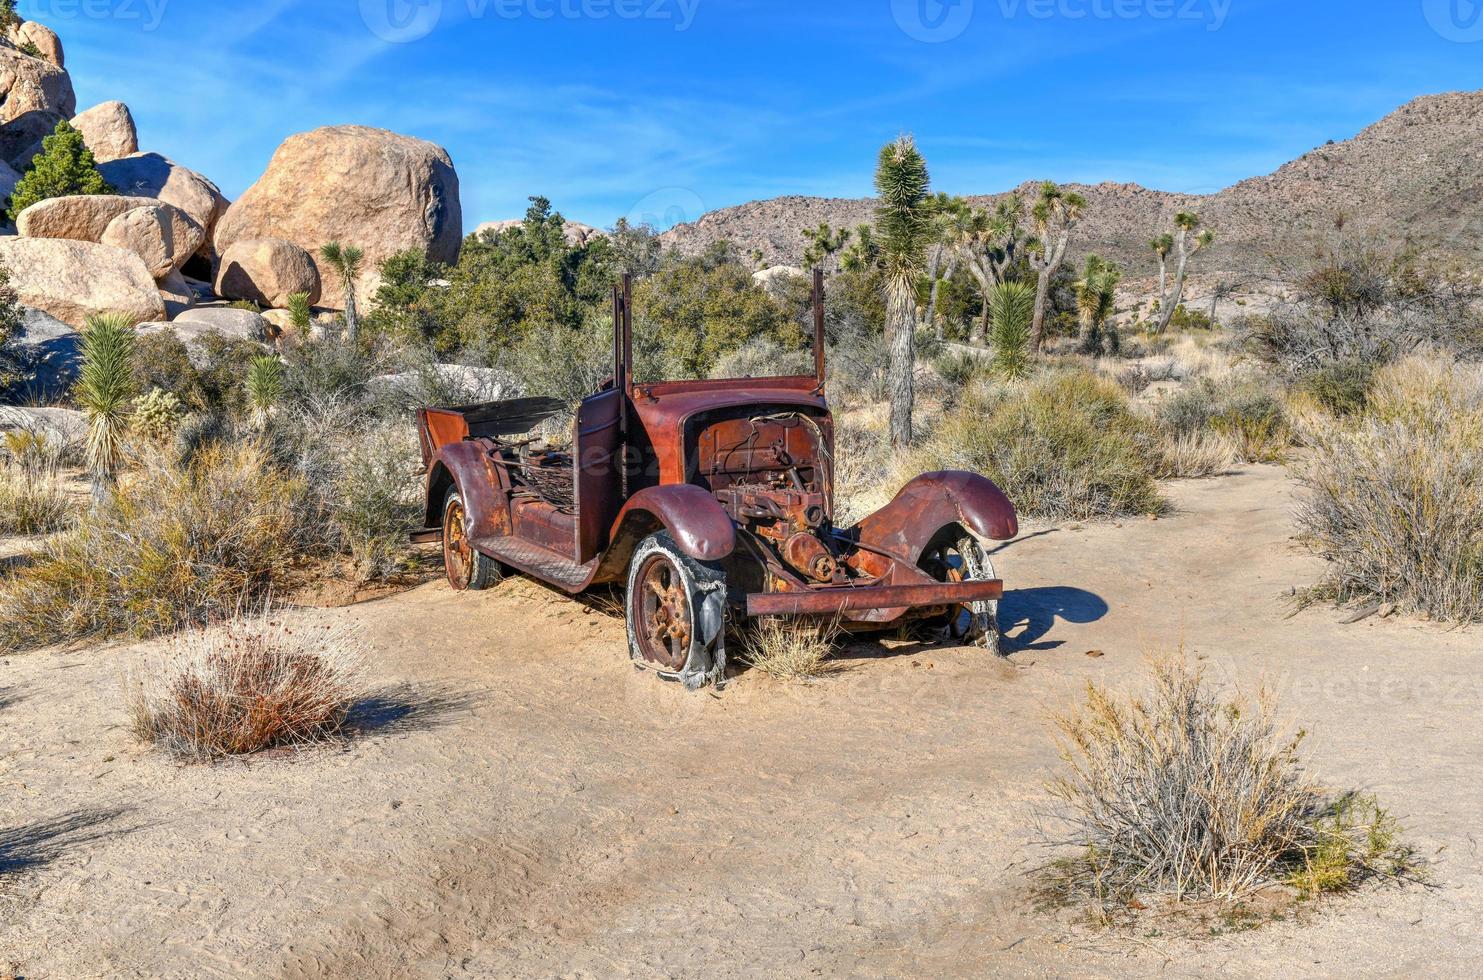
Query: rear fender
[696,520]
[926,505]
[468,466]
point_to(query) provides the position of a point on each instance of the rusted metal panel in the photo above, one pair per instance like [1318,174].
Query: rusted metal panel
[826,601]
[597,446]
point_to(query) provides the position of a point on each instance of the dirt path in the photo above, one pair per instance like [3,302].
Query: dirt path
[528,804]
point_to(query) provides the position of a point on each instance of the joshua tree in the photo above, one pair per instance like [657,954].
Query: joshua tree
[864,253]
[1095,293]
[1188,239]
[986,244]
[64,167]
[345,261]
[1162,246]
[824,243]
[105,389]
[264,387]
[1222,290]
[903,219]
[1011,309]
[942,255]
[1056,212]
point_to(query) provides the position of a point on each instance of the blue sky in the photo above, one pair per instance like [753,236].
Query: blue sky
[661,109]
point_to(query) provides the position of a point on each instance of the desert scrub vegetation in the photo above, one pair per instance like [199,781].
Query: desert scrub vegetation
[1063,446]
[1393,500]
[1183,794]
[791,649]
[33,496]
[251,683]
[1241,412]
[168,546]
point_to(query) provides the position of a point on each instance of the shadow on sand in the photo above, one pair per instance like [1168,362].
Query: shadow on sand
[37,844]
[405,708]
[1028,615]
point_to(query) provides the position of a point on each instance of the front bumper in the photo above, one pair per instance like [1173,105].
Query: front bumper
[893,597]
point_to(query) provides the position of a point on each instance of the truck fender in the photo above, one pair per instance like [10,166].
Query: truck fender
[696,520]
[467,465]
[933,501]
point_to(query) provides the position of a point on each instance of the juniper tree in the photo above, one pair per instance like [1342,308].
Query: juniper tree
[64,167]
[903,224]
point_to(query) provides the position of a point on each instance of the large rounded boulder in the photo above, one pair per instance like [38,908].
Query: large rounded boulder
[147,233]
[151,175]
[74,280]
[88,218]
[267,271]
[355,185]
[34,96]
[108,130]
[44,38]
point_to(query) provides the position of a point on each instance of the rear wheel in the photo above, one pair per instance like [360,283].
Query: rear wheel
[676,611]
[974,623]
[468,569]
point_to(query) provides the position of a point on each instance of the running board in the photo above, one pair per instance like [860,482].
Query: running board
[543,563]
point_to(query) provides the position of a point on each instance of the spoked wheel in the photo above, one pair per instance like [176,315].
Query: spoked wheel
[468,569]
[676,613]
[973,623]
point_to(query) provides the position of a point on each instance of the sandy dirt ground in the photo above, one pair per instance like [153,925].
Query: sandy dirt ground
[523,802]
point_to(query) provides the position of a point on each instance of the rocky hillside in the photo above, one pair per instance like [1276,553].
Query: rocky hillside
[1415,174]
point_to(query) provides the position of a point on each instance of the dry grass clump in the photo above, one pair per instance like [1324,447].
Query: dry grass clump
[32,503]
[1064,446]
[1185,795]
[1194,456]
[170,546]
[1249,417]
[789,649]
[250,684]
[1394,500]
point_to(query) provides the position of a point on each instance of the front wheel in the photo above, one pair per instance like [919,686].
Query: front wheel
[974,623]
[676,611]
[469,570]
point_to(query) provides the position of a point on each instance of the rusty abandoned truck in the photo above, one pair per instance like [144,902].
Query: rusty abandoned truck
[714,502]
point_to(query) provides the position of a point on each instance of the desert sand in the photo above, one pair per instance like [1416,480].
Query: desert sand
[522,801]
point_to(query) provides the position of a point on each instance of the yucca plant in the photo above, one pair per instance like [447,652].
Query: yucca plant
[1011,311]
[903,227]
[1095,294]
[346,262]
[106,390]
[300,314]
[264,387]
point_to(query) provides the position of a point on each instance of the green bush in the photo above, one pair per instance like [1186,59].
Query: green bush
[1342,388]
[1065,446]
[64,167]
[1251,416]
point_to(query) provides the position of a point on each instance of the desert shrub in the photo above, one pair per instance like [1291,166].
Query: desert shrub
[562,362]
[32,502]
[377,499]
[958,370]
[1063,446]
[168,547]
[250,684]
[206,376]
[790,649]
[1251,417]
[1341,388]
[10,325]
[1187,794]
[1194,456]
[762,357]
[1394,501]
[329,369]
